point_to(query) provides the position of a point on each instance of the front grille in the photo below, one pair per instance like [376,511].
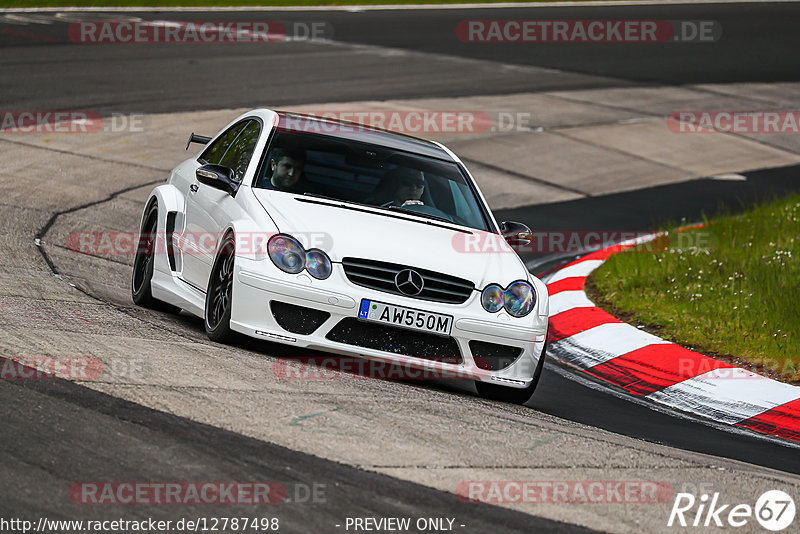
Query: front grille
[491,356]
[396,340]
[380,275]
[297,319]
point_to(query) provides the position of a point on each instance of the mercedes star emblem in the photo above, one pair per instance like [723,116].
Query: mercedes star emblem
[409,282]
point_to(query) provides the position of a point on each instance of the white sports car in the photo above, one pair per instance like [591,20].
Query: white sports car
[346,239]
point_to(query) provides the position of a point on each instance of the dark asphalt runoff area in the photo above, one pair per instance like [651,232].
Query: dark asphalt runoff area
[54,432]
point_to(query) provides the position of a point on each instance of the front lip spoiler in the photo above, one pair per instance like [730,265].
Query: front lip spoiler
[517,383]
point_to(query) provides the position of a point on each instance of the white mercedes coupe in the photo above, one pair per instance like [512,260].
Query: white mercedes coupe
[347,239]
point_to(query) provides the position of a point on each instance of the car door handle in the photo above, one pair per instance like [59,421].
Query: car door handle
[193,188]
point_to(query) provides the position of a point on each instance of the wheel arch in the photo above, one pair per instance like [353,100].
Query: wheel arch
[250,239]
[230,230]
[168,199]
[542,296]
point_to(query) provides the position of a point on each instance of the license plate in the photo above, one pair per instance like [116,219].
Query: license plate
[380,312]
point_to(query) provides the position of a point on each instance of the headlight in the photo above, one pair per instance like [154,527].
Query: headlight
[286,254]
[492,298]
[519,299]
[318,264]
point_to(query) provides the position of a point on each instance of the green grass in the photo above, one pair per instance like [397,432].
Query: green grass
[226,3]
[730,289]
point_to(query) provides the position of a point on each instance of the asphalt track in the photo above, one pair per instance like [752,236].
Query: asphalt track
[80,434]
[57,431]
[757,47]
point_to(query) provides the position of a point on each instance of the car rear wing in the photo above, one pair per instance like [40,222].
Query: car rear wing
[200,139]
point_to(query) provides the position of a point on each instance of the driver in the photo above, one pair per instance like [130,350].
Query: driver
[286,166]
[400,187]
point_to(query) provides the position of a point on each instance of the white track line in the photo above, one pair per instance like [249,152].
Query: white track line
[581,269]
[566,300]
[729,395]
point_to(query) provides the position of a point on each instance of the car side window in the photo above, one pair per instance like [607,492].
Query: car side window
[217,149]
[240,151]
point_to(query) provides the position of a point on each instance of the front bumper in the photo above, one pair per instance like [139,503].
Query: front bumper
[473,328]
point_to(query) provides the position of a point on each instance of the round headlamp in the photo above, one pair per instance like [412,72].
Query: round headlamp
[287,254]
[318,264]
[519,299]
[492,298]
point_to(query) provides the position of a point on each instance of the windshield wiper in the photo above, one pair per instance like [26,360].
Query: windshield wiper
[419,213]
[394,208]
[315,195]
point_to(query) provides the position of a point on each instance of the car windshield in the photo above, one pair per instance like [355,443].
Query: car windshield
[353,171]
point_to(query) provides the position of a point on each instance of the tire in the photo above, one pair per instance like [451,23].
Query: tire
[509,394]
[142,275]
[219,296]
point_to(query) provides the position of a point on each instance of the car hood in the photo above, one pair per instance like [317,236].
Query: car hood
[350,230]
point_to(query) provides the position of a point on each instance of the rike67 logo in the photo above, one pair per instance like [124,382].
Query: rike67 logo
[774,510]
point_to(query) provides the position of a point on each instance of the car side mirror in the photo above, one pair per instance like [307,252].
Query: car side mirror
[516,234]
[219,177]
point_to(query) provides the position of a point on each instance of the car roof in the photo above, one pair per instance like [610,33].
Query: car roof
[298,122]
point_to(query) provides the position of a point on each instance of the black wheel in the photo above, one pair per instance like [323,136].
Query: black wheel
[142,275]
[509,394]
[219,297]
